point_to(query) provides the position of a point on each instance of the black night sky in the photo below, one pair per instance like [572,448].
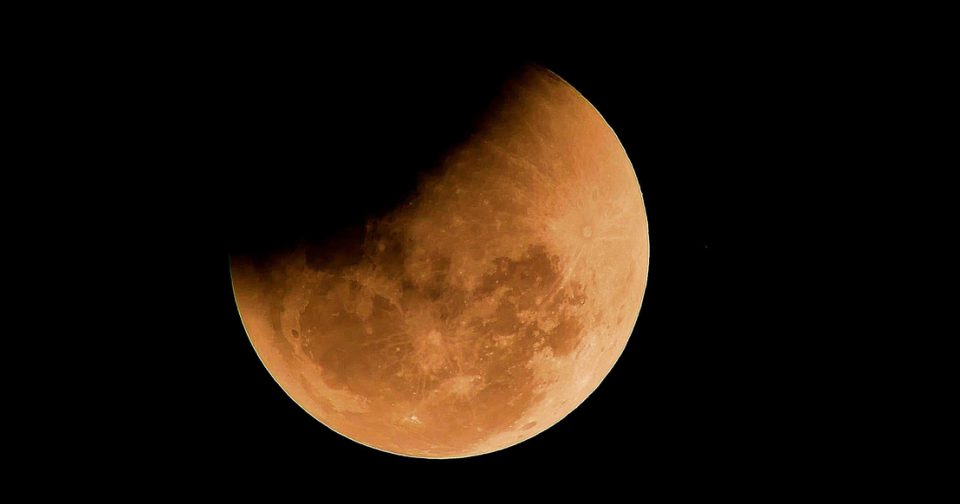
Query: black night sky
[255,146]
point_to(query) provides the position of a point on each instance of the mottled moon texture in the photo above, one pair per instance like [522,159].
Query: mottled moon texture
[482,310]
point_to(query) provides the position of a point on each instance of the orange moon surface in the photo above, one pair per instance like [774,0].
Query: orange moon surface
[483,309]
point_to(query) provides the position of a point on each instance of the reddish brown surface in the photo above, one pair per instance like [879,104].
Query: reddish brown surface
[482,311]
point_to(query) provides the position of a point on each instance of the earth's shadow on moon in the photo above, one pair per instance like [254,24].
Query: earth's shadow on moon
[325,154]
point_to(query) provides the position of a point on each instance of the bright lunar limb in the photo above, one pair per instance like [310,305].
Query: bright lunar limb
[481,311]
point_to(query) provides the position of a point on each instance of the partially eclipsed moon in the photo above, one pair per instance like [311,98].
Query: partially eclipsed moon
[483,310]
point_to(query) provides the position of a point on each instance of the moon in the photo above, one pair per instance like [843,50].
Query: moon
[484,308]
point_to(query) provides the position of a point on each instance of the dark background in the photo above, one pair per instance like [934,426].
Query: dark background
[776,150]
[255,148]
